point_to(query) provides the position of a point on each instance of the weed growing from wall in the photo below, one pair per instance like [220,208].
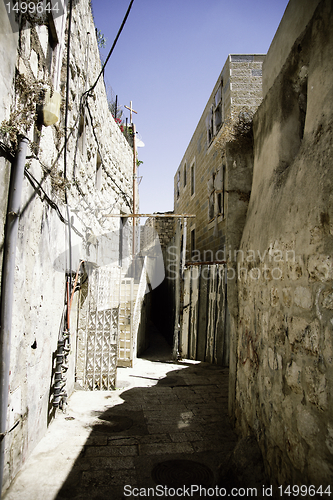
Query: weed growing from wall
[236,128]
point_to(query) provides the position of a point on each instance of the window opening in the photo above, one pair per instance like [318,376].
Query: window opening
[216,194]
[192,243]
[209,126]
[218,109]
[98,179]
[192,179]
[178,184]
[215,118]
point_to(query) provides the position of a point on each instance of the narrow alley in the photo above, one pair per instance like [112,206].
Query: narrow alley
[165,424]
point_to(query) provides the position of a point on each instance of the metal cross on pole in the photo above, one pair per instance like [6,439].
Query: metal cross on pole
[131,110]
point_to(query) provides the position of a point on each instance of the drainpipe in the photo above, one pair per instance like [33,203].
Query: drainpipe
[7,285]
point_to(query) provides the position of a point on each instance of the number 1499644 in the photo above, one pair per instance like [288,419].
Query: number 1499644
[33,8]
[311,491]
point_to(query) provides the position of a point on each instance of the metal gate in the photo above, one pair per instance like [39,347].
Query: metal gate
[125,339]
[203,314]
[102,325]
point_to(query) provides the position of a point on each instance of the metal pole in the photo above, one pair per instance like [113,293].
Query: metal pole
[7,285]
[166,216]
[184,247]
[134,187]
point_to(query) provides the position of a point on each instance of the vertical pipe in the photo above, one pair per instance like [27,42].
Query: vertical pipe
[69,276]
[7,285]
[116,108]
[182,288]
[134,187]
[184,246]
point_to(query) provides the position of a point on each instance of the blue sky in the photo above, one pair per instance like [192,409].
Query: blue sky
[166,61]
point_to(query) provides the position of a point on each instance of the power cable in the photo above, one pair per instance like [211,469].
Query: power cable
[44,196]
[125,196]
[111,50]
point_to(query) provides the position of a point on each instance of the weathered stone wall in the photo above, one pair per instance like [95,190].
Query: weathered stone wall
[239,171]
[241,88]
[8,49]
[98,181]
[164,227]
[297,15]
[283,334]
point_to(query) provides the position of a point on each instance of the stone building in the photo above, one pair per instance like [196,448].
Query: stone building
[275,227]
[201,183]
[73,165]
[281,373]
[213,183]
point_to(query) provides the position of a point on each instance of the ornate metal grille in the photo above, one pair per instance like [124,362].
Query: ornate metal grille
[102,329]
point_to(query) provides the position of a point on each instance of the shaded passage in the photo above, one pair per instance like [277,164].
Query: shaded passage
[134,442]
[166,423]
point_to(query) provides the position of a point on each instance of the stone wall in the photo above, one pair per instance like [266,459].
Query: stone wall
[282,375]
[164,227]
[8,50]
[296,17]
[99,164]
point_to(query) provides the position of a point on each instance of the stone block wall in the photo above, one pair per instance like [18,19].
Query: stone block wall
[98,181]
[164,227]
[240,82]
[8,53]
[282,372]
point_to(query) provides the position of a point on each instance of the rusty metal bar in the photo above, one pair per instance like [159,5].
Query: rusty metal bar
[206,263]
[177,216]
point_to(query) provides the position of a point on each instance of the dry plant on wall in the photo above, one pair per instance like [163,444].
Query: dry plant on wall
[237,128]
[29,94]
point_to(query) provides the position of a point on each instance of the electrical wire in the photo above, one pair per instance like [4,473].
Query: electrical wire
[125,196]
[45,197]
[33,181]
[112,48]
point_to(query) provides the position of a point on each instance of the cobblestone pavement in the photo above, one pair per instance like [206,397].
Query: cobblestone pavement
[166,424]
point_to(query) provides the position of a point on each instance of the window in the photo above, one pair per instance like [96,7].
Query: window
[57,34]
[82,133]
[192,179]
[98,178]
[192,242]
[178,184]
[51,38]
[216,194]
[185,173]
[219,203]
[209,126]
[215,116]
[218,119]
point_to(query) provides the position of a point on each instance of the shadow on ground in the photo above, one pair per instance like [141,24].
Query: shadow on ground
[174,434]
